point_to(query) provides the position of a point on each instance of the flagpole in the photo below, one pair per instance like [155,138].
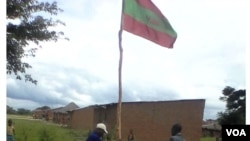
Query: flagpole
[119,104]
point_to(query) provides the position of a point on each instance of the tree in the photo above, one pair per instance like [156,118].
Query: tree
[25,26]
[22,111]
[43,108]
[235,112]
[10,110]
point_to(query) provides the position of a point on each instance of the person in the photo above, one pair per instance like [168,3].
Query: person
[131,135]
[176,133]
[98,133]
[10,131]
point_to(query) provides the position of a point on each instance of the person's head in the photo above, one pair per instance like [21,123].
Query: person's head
[176,128]
[101,129]
[9,122]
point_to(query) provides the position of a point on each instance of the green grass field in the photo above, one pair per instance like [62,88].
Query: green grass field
[28,129]
[207,139]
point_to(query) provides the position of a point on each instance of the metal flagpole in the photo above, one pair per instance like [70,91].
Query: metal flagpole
[119,104]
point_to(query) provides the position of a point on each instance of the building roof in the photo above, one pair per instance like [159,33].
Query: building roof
[212,126]
[139,102]
[71,106]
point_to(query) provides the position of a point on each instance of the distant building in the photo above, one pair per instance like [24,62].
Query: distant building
[150,121]
[51,116]
[39,114]
[211,128]
[61,115]
[58,115]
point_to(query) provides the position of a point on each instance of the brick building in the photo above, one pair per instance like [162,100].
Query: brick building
[150,121]
[61,115]
[58,115]
[39,114]
[211,128]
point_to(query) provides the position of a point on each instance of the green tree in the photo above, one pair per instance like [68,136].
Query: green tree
[43,108]
[235,112]
[26,25]
[10,110]
[22,111]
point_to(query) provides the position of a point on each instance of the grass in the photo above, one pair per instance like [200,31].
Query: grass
[208,139]
[20,116]
[39,130]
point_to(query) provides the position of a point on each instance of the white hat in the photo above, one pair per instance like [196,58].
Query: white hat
[102,126]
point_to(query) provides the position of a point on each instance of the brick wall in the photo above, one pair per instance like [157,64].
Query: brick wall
[153,120]
[82,118]
[150,121]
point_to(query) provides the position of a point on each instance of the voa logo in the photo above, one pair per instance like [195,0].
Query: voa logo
[236,132]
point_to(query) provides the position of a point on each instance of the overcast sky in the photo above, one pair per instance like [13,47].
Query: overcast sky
[208,55]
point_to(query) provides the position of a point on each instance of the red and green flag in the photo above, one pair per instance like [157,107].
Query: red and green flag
[144,19]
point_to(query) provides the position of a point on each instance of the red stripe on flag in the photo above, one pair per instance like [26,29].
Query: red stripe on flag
[140,29]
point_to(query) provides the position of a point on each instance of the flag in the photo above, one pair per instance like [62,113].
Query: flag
[144,19]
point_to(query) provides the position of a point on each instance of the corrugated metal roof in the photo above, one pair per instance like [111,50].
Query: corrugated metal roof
[139,102]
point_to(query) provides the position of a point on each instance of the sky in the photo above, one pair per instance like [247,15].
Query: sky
[208,55]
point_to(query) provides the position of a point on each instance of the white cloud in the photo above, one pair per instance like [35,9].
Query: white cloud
[27,104]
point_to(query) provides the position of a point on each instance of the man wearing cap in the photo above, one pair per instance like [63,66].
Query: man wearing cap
[97,134]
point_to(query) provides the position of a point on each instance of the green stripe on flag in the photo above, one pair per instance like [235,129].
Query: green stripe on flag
[146,16]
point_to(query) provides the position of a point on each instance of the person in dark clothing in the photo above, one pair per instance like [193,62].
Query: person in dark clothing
[176,133]
[131,136]
[97,134]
